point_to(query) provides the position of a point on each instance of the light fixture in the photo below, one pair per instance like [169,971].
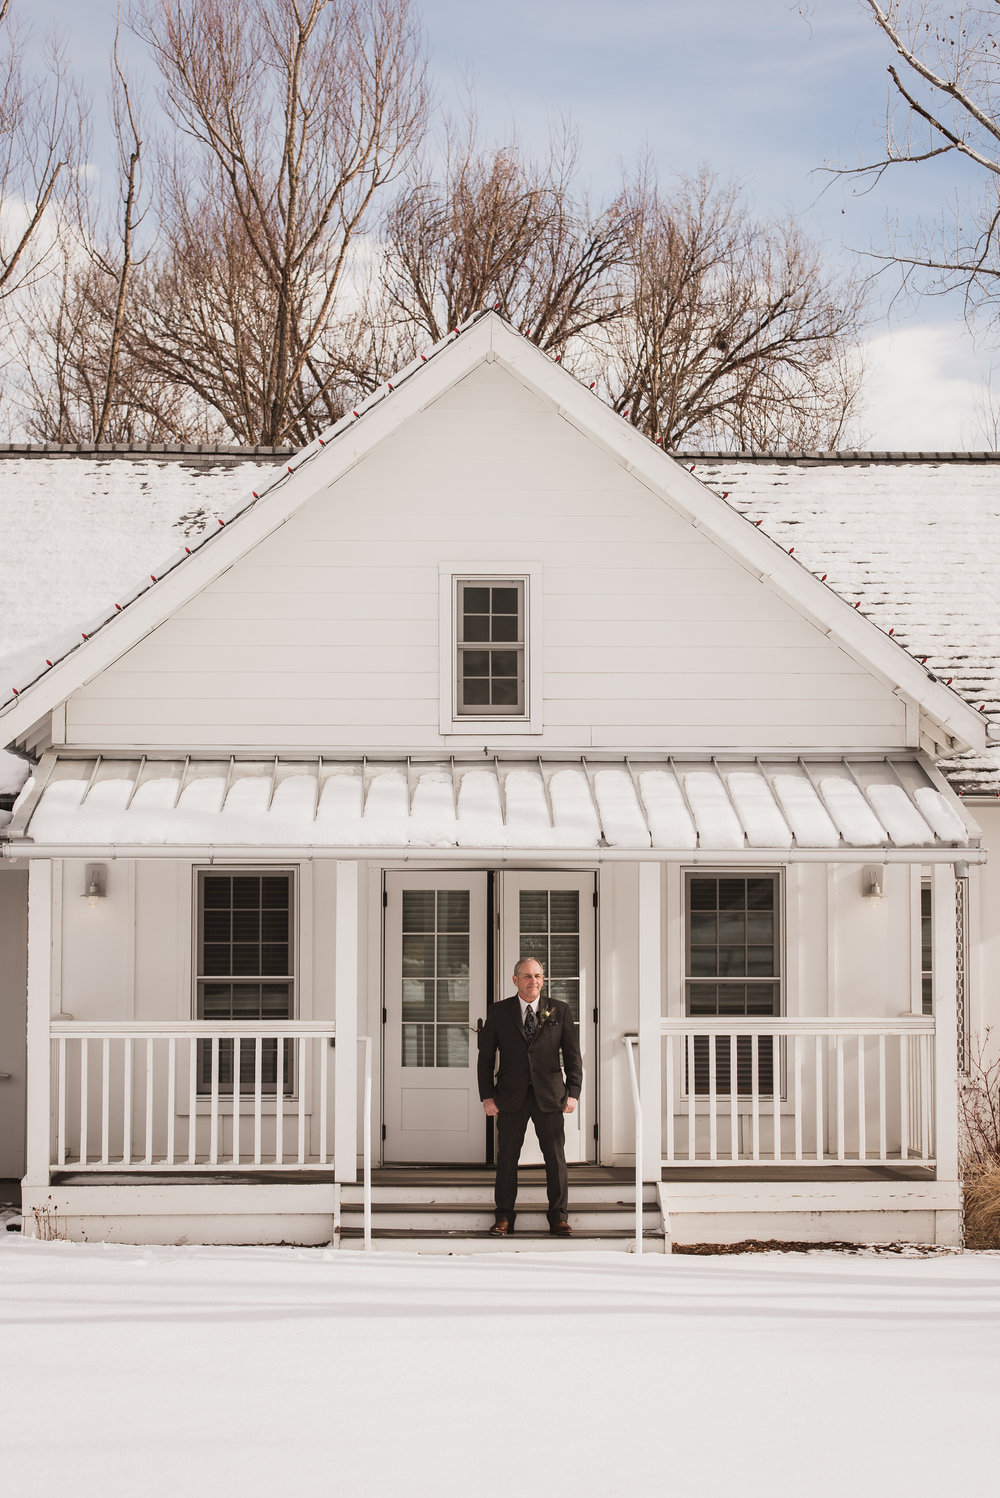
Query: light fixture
[962,869]
[96,883]
[871,882]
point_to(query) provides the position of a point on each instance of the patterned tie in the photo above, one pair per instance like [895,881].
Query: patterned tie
[530,1022]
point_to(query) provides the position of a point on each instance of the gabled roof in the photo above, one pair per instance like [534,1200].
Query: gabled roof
[486,337]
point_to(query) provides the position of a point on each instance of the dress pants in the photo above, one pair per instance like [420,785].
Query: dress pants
[551,1131]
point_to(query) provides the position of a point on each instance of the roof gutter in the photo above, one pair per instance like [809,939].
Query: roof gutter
[755,857]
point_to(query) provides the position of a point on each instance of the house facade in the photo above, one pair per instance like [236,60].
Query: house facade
[485,674]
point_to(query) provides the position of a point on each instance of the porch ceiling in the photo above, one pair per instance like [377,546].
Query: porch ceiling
[685,805]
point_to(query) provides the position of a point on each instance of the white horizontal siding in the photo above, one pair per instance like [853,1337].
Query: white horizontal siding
[327,633]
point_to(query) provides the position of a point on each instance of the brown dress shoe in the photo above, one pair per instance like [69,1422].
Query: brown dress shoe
[500,1228]
[560,1229]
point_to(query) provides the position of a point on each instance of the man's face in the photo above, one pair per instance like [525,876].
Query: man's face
[528,980]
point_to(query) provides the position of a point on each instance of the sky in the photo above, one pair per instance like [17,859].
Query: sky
[769,92]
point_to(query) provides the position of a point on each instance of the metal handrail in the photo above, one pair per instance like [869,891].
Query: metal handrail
[367,1143]
[631,1041]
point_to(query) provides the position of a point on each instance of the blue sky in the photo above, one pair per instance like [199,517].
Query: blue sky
[752,87]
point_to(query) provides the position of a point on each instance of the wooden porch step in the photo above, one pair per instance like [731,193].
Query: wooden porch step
[391,1240]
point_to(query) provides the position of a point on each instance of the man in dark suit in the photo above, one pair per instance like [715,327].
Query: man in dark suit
[529,1033]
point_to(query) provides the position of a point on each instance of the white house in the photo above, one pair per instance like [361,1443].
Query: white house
[482,673]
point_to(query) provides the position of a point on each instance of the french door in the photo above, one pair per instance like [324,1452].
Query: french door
[451,942]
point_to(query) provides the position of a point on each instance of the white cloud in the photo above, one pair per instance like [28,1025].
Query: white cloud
[921,388]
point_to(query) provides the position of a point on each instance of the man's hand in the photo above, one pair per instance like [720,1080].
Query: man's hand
[570,1105]
[490,1108]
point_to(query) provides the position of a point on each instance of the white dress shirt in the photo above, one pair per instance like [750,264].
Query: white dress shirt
[525,1007]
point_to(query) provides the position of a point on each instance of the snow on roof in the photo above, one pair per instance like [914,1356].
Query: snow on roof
[506,801]
[914,540]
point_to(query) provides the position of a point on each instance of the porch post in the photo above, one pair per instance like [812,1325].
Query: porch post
[944,938]
[38,1136]
[345,1001]
[650,1008]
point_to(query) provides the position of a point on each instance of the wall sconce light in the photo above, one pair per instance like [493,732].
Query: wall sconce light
[96,882]
[961,869]
[871,882]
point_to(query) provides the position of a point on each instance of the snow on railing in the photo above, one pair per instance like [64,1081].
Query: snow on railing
[192,1096]
[742,1091]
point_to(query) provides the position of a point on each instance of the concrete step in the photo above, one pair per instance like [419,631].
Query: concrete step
[473,1216]
[393,1240]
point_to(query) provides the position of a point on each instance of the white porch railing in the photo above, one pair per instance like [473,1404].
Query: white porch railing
[798,1091]
[631,1043]
[134,1096]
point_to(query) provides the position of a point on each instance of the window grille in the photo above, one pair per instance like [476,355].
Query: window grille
[490,667]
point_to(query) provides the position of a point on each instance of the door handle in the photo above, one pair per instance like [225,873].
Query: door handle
[477,1027]
[6,1076]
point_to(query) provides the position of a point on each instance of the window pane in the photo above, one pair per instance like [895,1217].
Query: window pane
[564,956]
[216,1001]
[505,600]
[476,693]
[273,958]
[418,910]
[505,628]
[218,925]
[418,1045]
[276,1001]
[418,956]
[704,928]
[453,999]
[732,929]
[217,891]
[564,908]
[732,894]
[703,894]
[476,600]
[534,910]
[216,959]
[504,663]
[246,892]
[453,956]
[246,925]
[418,999]
[476,627]
[504,693]
[453,909]
[475,663]
[246,1001]
[568,990]
[452,1045]
[246,959]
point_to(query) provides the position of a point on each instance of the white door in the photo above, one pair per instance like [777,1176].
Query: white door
[435,1000]
[551,917]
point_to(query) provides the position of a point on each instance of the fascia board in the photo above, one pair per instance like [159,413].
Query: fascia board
[313,470]
[677,487]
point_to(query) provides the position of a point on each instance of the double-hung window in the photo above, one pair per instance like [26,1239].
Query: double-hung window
[246,971]
[733,970]
[490,632]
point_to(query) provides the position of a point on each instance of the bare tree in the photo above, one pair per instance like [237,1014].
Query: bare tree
[40,134]
[498,229]
[730,330]
[944,102]
[292,116]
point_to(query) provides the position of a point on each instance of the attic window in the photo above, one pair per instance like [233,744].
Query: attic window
[490,648]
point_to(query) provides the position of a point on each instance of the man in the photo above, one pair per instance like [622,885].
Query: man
[529,1034]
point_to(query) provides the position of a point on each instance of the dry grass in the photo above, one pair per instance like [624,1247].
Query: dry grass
[982,1207]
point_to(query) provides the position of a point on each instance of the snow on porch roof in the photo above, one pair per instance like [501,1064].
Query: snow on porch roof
[683,805]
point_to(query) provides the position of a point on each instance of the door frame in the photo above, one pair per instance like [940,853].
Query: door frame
[495,982]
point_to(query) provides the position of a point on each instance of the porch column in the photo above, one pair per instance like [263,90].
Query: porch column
[38,1137]
[944,938]
[650,1009]
[345,1008]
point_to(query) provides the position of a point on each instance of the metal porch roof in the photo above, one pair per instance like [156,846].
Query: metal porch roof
[681,804]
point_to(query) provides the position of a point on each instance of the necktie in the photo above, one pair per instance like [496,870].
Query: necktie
[530,1022]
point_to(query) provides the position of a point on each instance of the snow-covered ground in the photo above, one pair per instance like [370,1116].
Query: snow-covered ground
[244,1372]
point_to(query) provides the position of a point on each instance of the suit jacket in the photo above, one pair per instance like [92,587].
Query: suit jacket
[535,1064]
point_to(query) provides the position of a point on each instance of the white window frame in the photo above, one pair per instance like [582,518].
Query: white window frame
[491,726]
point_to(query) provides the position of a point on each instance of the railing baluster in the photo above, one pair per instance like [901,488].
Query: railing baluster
[734,1100]
[862,1102]
[192,1100]
[258,1092]
[691,1095]
[904,1099]
[61,1104]
[300,1082]
[127,1102]
[797,1092]
[323,1048]
[925,1098]
[213,1146]
[279,1103]
[882,1100]
[755,1095]
[84,1079]
[171,1097]
[840,1097]
[776,1094]
[670,1092]
[820,1122]
[713,1102]
[237,1097]
[148,1159]
[105,1100]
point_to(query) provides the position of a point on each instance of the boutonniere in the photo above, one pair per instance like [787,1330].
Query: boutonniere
[546,1016]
